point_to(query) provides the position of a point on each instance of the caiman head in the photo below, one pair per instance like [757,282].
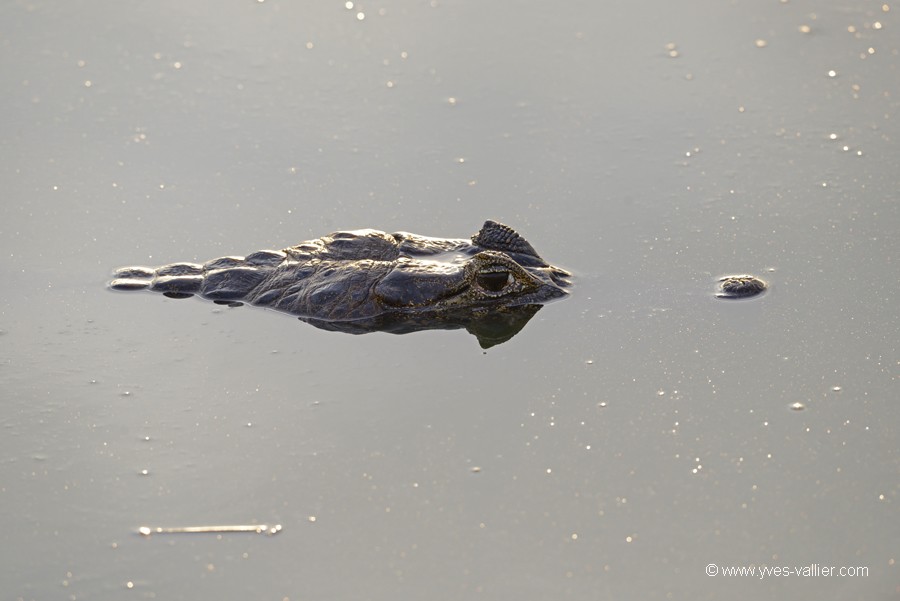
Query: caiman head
[499,269]
[367,280]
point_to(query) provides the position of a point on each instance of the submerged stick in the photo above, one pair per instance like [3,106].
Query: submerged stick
[257,528]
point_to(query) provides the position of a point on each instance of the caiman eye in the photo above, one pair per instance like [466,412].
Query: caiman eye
[494,279]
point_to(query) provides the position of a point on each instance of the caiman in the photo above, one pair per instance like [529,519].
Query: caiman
[367,280]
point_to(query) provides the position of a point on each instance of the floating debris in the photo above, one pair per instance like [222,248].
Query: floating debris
[740,286]
[255,528]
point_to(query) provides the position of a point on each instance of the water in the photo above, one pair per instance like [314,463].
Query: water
[629,436]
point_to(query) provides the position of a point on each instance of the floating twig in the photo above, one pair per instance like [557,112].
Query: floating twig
[256,528]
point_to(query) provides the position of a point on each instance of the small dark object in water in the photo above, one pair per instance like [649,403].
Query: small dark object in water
[740,286]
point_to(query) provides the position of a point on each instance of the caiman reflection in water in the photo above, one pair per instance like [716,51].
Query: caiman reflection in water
[370,281]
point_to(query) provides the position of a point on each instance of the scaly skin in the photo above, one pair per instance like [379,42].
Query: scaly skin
[370,277]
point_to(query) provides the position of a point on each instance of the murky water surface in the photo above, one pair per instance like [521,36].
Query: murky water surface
[630,436]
